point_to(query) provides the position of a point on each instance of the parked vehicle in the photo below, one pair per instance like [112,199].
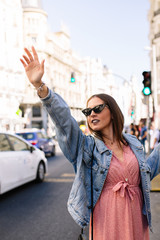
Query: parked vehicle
[20,162]
[39,139]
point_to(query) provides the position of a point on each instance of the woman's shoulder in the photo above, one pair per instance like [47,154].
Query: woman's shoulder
[131,139]
[129,136]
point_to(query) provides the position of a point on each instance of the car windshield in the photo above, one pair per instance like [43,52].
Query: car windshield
[27,136]
[30,136]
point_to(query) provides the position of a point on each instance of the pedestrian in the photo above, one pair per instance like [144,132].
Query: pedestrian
[143,134]
[132,129]
[137,132]
[121,175]
[154,136]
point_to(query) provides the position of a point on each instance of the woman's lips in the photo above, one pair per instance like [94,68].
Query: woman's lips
[94,121]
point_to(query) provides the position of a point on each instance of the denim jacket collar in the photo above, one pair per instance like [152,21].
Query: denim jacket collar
[102,147]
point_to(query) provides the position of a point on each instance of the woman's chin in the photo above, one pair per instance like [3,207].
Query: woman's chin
[96,128]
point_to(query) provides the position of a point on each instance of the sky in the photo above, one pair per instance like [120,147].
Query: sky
[114,30]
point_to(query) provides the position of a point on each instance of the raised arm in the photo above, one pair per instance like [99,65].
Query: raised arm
[34,70]
[154,162]
[70,137]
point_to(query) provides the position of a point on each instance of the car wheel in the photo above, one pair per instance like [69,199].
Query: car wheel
[53,151]
[40,172]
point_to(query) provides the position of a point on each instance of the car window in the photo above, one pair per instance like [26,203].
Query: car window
[17,144]
[27,136]
[4,144]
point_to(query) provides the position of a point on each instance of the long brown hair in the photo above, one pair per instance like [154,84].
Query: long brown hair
[117,118]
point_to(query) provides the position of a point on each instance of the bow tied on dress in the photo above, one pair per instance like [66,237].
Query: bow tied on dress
[124,188]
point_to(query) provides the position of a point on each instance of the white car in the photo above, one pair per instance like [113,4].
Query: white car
[20,162]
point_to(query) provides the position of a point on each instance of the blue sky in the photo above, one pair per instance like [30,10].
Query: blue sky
[114,30]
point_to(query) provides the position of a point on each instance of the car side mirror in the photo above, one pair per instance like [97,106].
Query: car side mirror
[31,149]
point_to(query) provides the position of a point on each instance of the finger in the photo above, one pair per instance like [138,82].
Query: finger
[29,54]
[35,54]
[42,65]
[23,62]
[26,59]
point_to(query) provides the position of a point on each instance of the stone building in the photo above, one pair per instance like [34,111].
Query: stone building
[11,80]
[154,37]
[23,23]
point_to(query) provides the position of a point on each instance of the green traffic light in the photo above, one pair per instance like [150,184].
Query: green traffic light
[72,79]
[146,91]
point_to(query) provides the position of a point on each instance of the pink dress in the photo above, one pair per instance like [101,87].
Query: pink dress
[118,212]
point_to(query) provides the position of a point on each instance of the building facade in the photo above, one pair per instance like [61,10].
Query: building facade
[154,37]
[23,24]
[11,45]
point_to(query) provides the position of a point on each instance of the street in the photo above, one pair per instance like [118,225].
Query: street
[155,207]
[39,211]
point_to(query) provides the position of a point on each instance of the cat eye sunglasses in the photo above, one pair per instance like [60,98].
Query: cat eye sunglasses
[96,109]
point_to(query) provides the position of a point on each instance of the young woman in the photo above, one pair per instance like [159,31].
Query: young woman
[121,175]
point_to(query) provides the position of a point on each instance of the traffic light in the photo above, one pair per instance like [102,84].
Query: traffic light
[132,112]
[73,77]
[146,83]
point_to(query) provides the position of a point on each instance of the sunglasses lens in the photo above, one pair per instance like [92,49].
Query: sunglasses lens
[87,112]
[99,108]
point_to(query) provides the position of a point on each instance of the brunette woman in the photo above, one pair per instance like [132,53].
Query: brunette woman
[121,175]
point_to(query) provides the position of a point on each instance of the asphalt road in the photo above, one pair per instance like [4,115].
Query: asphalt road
[155,207]
[39,211]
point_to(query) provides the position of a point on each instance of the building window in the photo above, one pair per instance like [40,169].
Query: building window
[36,111]
[37,124]
[34,39]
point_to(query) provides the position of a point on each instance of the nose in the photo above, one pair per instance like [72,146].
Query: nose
[92,113]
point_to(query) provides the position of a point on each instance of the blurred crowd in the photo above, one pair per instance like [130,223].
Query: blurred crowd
[152,135]
[148,137]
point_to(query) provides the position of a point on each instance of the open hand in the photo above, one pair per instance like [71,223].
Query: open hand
[33,68]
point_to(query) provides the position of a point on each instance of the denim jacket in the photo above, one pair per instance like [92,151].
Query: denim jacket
[78,149]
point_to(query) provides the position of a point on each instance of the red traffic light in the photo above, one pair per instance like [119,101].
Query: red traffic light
[146,75]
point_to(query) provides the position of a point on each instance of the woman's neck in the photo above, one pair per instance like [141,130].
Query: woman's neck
[108,137]
[109,141]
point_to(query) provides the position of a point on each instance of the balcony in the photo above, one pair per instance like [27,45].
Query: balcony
[157,35]
[157,58]
[156,12]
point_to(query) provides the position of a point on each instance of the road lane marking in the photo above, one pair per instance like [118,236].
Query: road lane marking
[68,175]
[59,180]
[65,177]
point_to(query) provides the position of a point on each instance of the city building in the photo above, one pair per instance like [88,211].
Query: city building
[23,23]
[11,74]
[154,53]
